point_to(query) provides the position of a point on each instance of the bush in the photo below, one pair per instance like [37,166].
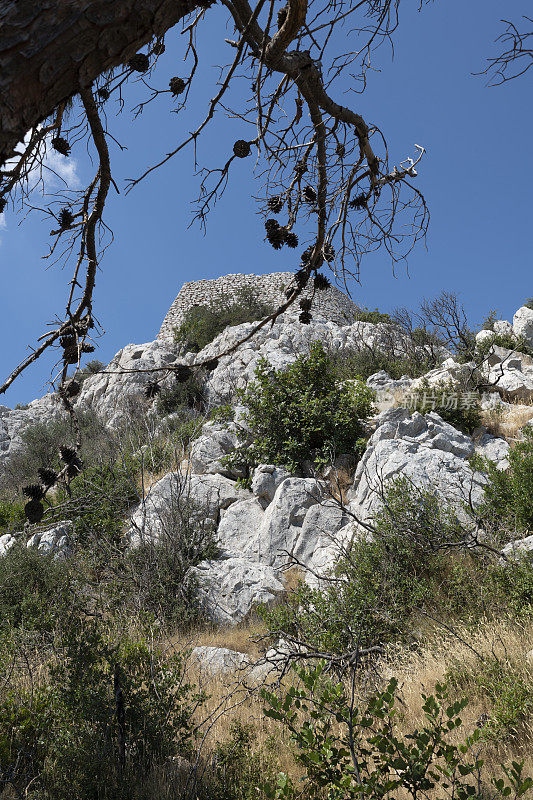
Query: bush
[507,340]
[508,501]
[12,516]
[456,406]
[108,715]
[375,316]
[240,772]
[301,413]
[182,396]
[203,323]
[34,589]
[365,362]
[351,752]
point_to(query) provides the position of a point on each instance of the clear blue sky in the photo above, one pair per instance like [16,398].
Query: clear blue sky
[477,178]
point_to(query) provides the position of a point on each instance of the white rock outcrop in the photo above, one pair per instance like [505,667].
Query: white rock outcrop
[523,324]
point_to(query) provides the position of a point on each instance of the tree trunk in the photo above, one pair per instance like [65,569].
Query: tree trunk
[51,48]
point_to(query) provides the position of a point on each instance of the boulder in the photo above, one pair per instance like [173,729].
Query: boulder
[231,587]
[265,481]
[494,449]
[523,324]
[179,496]
[425,450]
[220,660]
[503,328]
[520,548]
[450,371]
[208,450]
[55,540]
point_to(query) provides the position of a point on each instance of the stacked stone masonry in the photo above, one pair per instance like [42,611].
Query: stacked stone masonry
[331,304]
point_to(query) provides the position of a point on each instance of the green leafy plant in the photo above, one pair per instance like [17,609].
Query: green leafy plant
[352,752]
[508,500]
[241,770]
[375,316]
[301,413]
[507,340]
[202,324]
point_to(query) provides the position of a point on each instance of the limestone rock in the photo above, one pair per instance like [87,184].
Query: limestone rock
[208,450]
[494,449]
[265,481]
[425,450]
[231,587]
[55,540]
[450,371]
[220,660]
[519,548]
[523,324]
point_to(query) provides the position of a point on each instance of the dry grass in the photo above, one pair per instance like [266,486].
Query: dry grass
[507,422]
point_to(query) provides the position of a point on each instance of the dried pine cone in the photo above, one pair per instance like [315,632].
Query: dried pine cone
[103,93]
[305,317]
[358,202]
[61,145]
[290,238]
[152,389]
[329,252]
[211,364]
[275,204]
[34,511]
[310,195]
[306,255]
[305,304]
[301,277]
[67,454]
[87,348]
[158,49]
[34,491]
[242,148]
[282,15]
[66,218]
[274,233]
[177,86]
[300,168]
[139,63]
[47,476]
[71,355]
[321,282]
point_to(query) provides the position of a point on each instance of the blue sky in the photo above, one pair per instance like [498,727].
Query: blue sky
[476,177]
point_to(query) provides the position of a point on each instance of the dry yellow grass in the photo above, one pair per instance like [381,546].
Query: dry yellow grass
[507,422]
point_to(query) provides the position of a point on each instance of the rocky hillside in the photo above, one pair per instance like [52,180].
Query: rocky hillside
[346,492]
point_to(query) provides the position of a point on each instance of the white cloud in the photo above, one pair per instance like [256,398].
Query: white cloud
[65,168]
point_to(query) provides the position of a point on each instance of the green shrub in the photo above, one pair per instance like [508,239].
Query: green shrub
[365,362]
[507,340]
[12,516]
[348,751]
[182,396]
[203,323]
[63,738]
[241,772]
[34,589]
[375,316]
[529,303]
[460,408]
[97,502]
[301,413]
[508,501]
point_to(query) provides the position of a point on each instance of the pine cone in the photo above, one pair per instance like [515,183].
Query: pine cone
[321,282]
[152,389]
[158,49]
[275,204]
[300,168]
[274,233]
[61,145]
[103,93]
[282,15]
[358,202]
[289,238]
[310,195]
[139,63]
[242,148]
[329,252]
[66,218]
[177,86]
[47,476]
[305,317]
[34,491]
[71,355]
[34,511]
[301,277]
[306,255]
[305,304]
[211,365]
[87,348]
[67,454]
